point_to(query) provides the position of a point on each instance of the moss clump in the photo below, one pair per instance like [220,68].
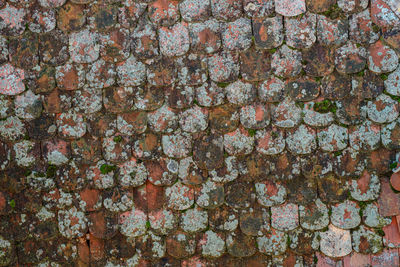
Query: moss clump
[12,203]
[315,259]
[118,139]
[274,134]
[252,132]
[384,76]
[393,165]
[334,12]
[300,105]
[223,84]
[362,205]
[337,153]
[51,171]
[325,106]
[148,225]
[380,232]
[375,28]
[288,241]
[394,97]
[325,229]
[105,168]
[40,174]
[317,79]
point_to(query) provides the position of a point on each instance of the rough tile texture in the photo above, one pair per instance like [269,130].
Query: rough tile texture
[199,133]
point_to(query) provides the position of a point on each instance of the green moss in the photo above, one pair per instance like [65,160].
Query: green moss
[223,84]
[360,74]
[375,28]
[384,76]
[393,165]
[148,225]
[330,212]
[40,174]
[325,106]
[362,205]
[394,97]
[324,229]
[300,105]
[273,50]
[380,232]
[288,241]
[252,132]
[274,134]
[51,171]
[334,12]
[337,153]
[12,203]
[195,102]
[318,79]
[315,259]
[27,173]
[118,139]
[105,168]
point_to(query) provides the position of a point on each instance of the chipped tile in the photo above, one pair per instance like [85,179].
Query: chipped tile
[335,242]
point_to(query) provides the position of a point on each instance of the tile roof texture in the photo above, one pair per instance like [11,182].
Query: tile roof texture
[199,133]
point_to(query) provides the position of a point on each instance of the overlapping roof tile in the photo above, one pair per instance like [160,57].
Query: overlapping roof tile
[199,133]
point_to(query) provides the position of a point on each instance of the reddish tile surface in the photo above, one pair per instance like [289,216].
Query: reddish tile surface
[199,133]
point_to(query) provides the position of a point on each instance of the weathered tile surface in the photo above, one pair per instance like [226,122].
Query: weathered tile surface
[199,133]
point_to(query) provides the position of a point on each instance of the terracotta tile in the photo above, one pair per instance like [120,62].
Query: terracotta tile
[392,234]
[388,201]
